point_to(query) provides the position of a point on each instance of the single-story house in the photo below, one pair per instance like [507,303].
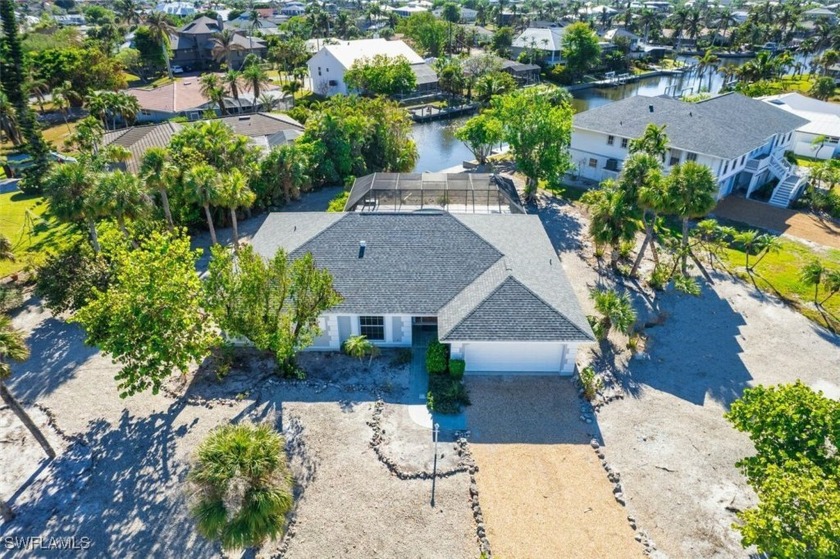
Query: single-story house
[328,66]
[265,130]
[183,98]
[616,32]
[741,140]
[547,40]
[492,284]
[823,122]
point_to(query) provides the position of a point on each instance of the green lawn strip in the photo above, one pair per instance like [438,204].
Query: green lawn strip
[32,234]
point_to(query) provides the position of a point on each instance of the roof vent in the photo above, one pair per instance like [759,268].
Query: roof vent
[650,108]
[362,246]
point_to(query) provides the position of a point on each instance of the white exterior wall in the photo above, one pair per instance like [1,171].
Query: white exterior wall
[397,332]
[801,145]
[516,357]
[324,67]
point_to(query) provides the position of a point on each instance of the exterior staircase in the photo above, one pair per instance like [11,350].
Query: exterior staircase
[791,181]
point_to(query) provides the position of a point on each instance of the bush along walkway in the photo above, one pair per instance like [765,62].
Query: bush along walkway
[466,464]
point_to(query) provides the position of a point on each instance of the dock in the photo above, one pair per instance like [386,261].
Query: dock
[428,113]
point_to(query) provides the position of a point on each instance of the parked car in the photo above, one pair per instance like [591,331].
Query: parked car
[177,70]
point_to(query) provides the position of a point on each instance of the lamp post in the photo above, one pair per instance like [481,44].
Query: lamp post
[434,466]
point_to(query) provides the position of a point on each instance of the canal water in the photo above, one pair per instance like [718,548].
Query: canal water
[439,149]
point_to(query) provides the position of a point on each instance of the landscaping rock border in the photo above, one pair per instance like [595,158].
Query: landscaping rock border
[466,465]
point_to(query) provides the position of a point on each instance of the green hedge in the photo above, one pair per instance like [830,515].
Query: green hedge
[457,368]
[436,358]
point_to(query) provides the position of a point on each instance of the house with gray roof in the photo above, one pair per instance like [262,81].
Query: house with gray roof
[741,140]
[493,285]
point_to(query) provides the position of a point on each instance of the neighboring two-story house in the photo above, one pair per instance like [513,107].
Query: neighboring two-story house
[192,45]
[741,140]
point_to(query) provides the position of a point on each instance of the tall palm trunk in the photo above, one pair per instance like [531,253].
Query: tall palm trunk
[164,201]
[648,241]
[684,243]
[94,237]
[166,59]
[210,223]
[10,401]
[235,225]
[66,122]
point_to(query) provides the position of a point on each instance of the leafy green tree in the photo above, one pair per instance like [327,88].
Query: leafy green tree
[451,79]
[690,191]
[481,134]
[148,45]
[616,311]
[451,13]
[426,31]
[823,88]
[580,49]
[381,75]
[66,280]
[275,304]
[794,471]
[160,30]
[234,194]
[241,486]
[149,319]
[502,41]
[613,219]
[538,131]
[284,173]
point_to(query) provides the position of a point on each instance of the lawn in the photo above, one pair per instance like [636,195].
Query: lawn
[32,234]
[778,273]
[54,135]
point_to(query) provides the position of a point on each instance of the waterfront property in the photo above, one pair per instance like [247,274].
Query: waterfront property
[452,192]
[741,140]
[328,66]
[491,284]
[820,137]
[544,38]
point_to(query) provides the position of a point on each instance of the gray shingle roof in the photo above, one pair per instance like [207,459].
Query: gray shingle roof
[138,139]
[486,277]
[726,126]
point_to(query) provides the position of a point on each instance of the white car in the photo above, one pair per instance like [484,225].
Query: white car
[177,70]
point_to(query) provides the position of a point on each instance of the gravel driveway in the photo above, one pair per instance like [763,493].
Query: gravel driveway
[543,491]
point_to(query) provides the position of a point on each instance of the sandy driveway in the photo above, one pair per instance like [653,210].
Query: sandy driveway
[543,492]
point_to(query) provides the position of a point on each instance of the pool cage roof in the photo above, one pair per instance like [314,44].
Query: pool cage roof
[452,192]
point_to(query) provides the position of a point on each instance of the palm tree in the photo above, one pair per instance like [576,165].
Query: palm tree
[203,183]
[613,219]
[616,311]
[98,104]
[63,97]
[233,80]
[88,135]
[812,274]
[224,45]
[37,87]
[212,89]
[360,346]
[709,61]
[755,243]
[690,192]
[127,106]
[160,31]
[9,121]
[128,11]
[69,188]
[121,195]
[233,194]
[154,170]
[13,347]
[654,142]
[642,176]
[6,249]
[255,79]
[241,487]
[766,244]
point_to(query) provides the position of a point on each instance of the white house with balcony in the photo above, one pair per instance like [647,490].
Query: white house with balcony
[820,137]
[741,140]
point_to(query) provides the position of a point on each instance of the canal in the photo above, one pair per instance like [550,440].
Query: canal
[439,148]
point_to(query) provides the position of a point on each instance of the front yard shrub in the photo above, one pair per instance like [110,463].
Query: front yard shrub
[436,358]
[457,368]
[360,346]
[590,383]
[446,395]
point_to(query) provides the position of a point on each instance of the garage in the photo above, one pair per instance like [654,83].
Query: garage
[517,357]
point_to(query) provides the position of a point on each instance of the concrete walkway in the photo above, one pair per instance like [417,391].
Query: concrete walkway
[799,225]
[419,385]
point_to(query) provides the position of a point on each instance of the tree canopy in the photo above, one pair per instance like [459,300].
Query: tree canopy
[381,75]
[580,49]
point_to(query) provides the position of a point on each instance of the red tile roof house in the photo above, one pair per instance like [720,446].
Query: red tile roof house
[183,98]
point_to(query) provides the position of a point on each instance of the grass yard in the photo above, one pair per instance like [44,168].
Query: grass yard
[32,234]
[778,274]
[54,135]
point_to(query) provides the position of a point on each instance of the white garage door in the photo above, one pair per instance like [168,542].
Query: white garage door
[513,357]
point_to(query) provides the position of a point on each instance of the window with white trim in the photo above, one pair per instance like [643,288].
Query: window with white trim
[624,143]
[610,140]
[372,327]
[689,156]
